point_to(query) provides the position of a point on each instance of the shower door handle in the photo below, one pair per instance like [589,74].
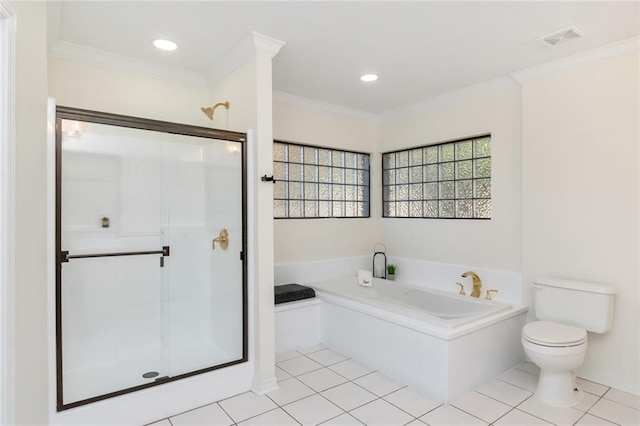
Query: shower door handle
[65,256]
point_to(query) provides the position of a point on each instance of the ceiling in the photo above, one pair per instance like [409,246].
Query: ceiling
[418,49]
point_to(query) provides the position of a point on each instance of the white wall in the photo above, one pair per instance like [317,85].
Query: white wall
[30,212]
[308,122]
[492,107]
[80,85]
[580,197]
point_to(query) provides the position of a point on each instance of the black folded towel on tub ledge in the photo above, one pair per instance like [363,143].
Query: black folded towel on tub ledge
[292,292]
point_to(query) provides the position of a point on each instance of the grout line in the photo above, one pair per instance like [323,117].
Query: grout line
[472,415]
[503,402]
[197,408]
[616,401]
[513,384]
[493,422]
[252,417]
[225,411]
[580,418]
[602,418]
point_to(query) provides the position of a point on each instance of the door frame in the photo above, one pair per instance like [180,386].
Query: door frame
[7,212]
[69,113]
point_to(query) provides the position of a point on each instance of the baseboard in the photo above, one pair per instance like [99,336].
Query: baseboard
[265,386]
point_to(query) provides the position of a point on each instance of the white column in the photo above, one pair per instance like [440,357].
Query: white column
[262,254]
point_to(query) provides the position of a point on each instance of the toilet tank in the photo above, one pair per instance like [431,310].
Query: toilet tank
[578,303]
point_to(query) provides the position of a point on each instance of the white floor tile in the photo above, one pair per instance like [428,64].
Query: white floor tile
[290,390]
[412,401]
[520,418]
[529,367]
[378,383]
[164,422]
[312,410]
[623,398]
[380,412]
[586,402]
[312,349]
[348,396]
[589,420]
[277,417]
[297,366]
[481,406]
[521,379]
[287,355]
[351,369]
[281,374]
[504,392]
[210,414]
[416,422]
[557,415]
[246,405]
[592,387]
[327,357]
[616,413]
[322,379]
[448,415]
[343,420]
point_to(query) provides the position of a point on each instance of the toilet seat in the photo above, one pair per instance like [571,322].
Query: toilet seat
[550,334]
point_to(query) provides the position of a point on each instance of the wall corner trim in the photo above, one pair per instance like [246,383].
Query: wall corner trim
[614,50]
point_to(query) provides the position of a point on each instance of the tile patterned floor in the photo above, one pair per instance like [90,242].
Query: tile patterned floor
[320,386]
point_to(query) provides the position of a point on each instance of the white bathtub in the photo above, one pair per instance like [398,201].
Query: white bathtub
[441,343]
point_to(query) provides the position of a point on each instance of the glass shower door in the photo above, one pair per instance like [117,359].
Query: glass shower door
[143,295]
[203,194]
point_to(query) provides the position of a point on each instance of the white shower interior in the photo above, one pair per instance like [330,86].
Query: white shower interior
[124,316]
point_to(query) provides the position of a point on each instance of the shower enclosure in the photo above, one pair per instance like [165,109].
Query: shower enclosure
[151,253]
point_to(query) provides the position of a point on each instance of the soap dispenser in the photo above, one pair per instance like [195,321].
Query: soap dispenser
[379,256]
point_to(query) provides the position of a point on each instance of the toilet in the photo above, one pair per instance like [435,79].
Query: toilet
[558,342]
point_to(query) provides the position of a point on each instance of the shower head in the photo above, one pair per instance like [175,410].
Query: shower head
[208,111]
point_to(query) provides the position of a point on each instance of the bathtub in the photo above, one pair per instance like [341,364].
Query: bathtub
[442,343]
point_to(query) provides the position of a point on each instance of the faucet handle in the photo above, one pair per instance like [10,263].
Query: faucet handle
[488,296]
[461,292]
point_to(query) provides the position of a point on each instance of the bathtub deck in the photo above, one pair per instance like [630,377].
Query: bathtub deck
[319,385]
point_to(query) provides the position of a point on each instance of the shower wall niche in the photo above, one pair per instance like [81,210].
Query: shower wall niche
[143,297]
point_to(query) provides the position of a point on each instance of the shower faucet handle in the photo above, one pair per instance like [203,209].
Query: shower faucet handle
[222,239]
[461,292]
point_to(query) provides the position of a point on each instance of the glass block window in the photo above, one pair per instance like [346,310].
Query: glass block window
[314,182]
[450,180]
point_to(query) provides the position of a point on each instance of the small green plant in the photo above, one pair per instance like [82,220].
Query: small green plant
[105,219]
[391,269]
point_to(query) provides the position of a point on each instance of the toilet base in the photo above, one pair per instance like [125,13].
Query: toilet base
[558,389]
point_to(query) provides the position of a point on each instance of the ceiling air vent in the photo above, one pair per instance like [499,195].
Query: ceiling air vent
[561,37]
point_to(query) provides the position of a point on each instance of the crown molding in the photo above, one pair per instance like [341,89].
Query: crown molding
[247,48]
[621,48]
[470,92]
[320,106]
[117,62]
[265,44]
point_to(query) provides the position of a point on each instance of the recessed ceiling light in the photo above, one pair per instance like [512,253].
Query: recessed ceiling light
[165,44]
[369,77]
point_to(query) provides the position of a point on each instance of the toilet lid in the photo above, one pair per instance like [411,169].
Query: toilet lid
[548,333]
